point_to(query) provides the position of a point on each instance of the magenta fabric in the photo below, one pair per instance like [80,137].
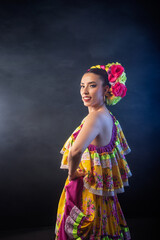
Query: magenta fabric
[73,198]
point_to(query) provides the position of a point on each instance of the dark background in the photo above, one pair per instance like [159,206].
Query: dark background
[45,47]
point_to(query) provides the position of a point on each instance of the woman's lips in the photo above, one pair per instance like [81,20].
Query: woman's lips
[86,99]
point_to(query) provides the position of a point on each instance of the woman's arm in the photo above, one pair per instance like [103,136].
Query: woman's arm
[74,161]
[88,132]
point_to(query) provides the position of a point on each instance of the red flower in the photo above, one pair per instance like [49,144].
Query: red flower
[114,72]
[119,89]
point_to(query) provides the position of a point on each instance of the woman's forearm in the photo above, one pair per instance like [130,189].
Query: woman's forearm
[73,162]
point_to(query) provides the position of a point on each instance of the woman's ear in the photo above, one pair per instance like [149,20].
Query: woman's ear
[106,89]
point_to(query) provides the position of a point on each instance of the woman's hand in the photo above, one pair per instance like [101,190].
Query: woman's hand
[76,174]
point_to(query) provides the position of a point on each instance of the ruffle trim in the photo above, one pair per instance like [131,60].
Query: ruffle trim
[107,193]
[124,235]
[106,168]
[73,223]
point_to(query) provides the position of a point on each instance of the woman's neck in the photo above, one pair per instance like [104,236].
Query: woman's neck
[99,108]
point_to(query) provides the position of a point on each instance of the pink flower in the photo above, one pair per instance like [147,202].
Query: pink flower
[102,66]
[114,72]
[119,90]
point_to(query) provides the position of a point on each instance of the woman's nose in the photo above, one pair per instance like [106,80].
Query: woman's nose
[85,90]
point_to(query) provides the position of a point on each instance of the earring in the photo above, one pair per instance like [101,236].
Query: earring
[104,98]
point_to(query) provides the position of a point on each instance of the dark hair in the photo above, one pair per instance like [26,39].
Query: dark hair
[102,73]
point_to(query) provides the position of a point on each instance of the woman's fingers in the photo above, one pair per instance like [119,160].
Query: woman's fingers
[78,173]
[82,174]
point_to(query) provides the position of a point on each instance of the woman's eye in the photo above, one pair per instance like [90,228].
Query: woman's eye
[90,86]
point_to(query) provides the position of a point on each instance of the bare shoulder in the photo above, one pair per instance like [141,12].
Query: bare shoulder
[102,119]
[94,114]
[94,118]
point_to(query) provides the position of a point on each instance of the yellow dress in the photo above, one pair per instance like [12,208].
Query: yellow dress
[99,216]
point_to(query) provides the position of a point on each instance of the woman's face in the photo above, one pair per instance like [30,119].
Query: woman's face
[91,90]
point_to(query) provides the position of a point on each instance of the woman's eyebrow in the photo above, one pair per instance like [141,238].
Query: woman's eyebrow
[88,82]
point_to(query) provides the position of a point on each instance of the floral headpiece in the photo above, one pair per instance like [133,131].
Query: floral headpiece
[117,79]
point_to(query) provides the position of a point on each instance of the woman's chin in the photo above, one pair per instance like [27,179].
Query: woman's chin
[86,104]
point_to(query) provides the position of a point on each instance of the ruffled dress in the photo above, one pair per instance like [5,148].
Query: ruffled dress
[88,207]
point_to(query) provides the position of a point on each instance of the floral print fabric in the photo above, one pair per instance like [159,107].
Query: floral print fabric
[107,173]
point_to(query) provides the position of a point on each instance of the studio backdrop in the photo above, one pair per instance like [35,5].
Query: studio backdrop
[45,48]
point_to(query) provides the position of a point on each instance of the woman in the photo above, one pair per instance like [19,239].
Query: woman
[94,155]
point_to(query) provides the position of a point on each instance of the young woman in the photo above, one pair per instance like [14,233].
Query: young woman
[94,155]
